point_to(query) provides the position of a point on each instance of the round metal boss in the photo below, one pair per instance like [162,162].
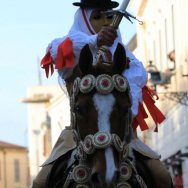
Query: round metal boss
[120,83]
[104,84]
[117,142]
[76,86]
[125,171]
[123,185]
[88,144]
[87,83]
[81,174]
[101,140]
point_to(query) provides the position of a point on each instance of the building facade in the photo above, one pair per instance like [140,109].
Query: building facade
[14,166]
[163,46]
[39,124]
[59,113]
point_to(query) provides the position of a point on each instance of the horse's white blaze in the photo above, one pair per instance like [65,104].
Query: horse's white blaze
[104,105]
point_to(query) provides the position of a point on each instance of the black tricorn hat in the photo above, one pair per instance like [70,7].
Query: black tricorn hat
[101,4]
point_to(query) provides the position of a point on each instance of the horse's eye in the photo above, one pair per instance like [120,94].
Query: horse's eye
[76,109]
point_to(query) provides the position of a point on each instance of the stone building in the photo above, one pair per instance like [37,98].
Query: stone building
[14,166]
[39,124]
[162,44]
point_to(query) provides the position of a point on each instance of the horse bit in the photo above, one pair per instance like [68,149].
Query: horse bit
[81,173]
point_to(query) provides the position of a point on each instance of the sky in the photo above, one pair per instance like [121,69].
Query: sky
[26,28]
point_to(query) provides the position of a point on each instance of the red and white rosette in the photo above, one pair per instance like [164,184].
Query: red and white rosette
[104,84]
[117,142]
[76,86]
[125,171]
[120,83]
[87,83]
[81,174]
[123,185]
[88,144]
[101,140]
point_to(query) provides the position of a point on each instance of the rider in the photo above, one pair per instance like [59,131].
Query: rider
[92,26]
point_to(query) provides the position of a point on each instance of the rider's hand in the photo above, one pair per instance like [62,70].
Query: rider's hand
[106,36]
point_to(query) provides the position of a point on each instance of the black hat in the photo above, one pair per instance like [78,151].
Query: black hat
[101,4]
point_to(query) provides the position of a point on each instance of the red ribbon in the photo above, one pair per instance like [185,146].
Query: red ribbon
[65,56]
[86,21]
[148,98]
[47,62]
[156,114]
[139,119]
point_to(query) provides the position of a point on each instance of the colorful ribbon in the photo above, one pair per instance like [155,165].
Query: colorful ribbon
[156,114]
[65,57]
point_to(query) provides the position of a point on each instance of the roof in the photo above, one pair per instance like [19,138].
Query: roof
[6,145]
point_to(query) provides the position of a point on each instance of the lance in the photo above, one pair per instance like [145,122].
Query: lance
[119,14]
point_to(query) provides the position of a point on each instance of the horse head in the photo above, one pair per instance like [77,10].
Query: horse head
[100,116]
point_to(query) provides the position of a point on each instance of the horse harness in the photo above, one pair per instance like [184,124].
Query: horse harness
[81,173]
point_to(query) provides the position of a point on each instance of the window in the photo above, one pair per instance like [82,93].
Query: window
[16,170]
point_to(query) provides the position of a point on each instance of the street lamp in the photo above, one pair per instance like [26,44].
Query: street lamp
[183,156]
[157,77]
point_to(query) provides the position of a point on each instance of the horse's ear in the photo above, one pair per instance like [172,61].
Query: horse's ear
[85,60]
[120,59]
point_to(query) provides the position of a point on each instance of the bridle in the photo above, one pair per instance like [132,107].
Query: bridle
[81,173]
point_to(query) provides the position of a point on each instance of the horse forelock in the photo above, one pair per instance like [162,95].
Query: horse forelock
[100,68]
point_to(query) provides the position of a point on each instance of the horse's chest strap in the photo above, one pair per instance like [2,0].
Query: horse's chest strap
[101,140]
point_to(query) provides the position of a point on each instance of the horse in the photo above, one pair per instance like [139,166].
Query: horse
[101,118]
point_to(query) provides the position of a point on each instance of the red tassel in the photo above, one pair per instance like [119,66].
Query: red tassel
[65,56]
[156,114]
[139,119]
[47,63]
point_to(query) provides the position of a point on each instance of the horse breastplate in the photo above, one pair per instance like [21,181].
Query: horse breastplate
[81,173]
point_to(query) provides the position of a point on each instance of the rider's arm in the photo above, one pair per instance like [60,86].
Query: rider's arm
[79,40]
[137,78]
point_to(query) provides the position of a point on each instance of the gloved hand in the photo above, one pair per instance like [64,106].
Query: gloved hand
[106,36]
